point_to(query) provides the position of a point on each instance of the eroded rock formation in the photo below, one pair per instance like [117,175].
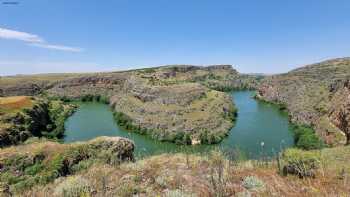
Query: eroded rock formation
[316,95]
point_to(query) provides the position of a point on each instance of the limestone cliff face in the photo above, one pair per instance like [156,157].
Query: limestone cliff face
[93,84]
[314,95]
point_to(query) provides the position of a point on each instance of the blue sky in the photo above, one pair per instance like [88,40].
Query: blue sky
[260,36]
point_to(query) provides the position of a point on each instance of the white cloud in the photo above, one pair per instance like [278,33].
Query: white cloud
[17,35]
[34,40]
[57,47]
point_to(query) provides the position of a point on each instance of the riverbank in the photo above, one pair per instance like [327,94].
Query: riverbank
[95,119]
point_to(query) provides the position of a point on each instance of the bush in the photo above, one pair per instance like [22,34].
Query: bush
[210,138]
[73,187]
[253,183]
[95,98]
[305,138]
[301,163]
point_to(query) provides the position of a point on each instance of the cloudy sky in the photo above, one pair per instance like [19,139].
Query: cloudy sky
[270,36]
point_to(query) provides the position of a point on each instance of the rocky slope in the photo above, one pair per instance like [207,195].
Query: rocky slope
[174,103]
[183,175]
[41,162]
[76,85]
[316,95]
[23,117]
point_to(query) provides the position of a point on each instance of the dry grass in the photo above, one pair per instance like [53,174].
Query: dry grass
[14,103]
[212,175]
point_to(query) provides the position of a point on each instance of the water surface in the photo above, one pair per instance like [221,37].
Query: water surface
[257,123]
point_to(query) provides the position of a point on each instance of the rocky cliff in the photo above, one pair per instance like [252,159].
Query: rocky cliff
[24,117]
[173,103]
[221,77]
[316,95]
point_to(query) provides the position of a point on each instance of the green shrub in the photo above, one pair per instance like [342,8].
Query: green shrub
[306,138]
[34,169]
[95,98]
[87,98]
[210,138]
[301,163]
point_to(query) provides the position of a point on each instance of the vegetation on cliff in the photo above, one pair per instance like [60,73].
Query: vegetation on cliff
[41,162]
[306,138]
[315,95]
[24,117]
[188,114]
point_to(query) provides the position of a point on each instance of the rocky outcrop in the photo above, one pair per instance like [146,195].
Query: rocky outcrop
[340,109]
[28,89]
[315,95]
[41,118]
[41,162]
[93,84]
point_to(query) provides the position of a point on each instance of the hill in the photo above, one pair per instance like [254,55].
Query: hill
[179,103]
[316,95]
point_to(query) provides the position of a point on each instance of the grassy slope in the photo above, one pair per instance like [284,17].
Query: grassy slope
[192,175]
[308,92]
[41,161]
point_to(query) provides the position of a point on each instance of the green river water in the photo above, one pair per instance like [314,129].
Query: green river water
[257,123]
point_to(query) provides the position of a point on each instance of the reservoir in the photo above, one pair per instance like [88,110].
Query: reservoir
[260,129]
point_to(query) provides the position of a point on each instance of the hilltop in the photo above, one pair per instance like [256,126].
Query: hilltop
[316,95]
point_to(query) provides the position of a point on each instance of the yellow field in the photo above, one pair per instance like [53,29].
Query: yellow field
[15,102]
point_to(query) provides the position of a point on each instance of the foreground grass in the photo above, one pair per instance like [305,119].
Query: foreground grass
[41,161]
[212,175]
